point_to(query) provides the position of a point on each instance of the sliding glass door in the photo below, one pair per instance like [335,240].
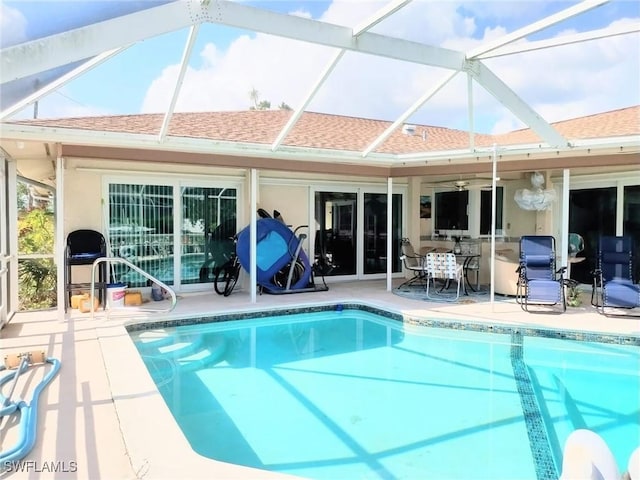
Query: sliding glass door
[351,235]
[612,209]
[336,241]
[182,249]
[208,227]
[592,213]
[375,232]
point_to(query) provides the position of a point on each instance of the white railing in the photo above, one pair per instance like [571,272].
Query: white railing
[148,276]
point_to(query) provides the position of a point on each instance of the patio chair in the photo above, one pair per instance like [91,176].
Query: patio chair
[412,262]
[539,283]
[613,283]
[442,266]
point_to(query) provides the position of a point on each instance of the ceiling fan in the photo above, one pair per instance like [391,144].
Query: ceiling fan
[461,185]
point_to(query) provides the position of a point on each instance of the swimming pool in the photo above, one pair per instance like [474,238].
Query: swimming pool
[354,394]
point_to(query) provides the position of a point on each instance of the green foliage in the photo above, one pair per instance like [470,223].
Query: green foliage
[37,277]
[573,295]
[258,104]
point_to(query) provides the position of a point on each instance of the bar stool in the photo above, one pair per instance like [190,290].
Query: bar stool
[83,248]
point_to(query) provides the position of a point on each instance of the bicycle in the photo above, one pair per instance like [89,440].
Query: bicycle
[227,275]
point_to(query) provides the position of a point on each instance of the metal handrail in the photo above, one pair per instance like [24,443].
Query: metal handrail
[97,261]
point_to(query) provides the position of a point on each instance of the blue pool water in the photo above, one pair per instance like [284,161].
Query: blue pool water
[352,394]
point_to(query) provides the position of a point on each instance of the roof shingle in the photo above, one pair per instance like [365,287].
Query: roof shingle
[327,131]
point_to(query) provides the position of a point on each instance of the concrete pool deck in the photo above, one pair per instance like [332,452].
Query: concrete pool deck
[102,416]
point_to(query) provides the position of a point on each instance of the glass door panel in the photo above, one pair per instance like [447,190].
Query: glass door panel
[335,242]
[592,213]
[375,232]
[141,231]
[208,226]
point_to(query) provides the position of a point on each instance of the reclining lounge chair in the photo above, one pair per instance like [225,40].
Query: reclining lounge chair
[539,283]
[613,282]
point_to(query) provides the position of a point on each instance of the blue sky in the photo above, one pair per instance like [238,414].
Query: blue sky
[227,63]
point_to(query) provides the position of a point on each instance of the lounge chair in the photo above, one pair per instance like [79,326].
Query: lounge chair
[412,262]
[442,266]
[539,283]
[613,283]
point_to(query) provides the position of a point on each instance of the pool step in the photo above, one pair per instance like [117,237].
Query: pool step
[184,347]
[153,339]
[208,355]
[169,346]
[183,355]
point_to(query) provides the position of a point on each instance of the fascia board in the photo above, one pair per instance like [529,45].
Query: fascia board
[184,144]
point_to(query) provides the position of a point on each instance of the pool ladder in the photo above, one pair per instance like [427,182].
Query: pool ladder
[167,288]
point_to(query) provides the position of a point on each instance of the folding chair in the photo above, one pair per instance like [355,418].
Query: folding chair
[443,266]
[613,283]
[539,283]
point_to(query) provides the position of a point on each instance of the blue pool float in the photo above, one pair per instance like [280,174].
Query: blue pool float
[27,428]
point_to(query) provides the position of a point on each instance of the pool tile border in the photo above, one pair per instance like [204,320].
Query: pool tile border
[538,439]
[574,335]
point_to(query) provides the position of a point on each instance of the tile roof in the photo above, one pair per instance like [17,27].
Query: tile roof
[328,131]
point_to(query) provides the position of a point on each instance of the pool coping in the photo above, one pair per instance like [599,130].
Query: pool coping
[156,446]
[558,333]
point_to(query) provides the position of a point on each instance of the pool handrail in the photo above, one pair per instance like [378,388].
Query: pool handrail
[167,288]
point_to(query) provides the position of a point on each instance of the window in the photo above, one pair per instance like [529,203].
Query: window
[451,210]
[485,210]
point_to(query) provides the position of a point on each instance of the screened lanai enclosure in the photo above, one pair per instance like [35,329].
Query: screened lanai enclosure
[165,124]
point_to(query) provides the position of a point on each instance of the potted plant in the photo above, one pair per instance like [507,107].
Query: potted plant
[573,294]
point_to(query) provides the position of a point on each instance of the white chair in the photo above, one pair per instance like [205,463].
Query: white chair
[443,266]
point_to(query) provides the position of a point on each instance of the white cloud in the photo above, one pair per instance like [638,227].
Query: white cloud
[575,80]
[559,83]
[12,26]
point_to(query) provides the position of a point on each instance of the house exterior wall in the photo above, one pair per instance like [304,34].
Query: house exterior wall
[289,193]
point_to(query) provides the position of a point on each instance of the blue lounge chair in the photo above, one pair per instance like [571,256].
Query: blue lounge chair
[539,283]
[613,282]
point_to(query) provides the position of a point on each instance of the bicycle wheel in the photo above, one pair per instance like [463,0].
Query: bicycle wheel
[281,277]
[222,278]
[232,279]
